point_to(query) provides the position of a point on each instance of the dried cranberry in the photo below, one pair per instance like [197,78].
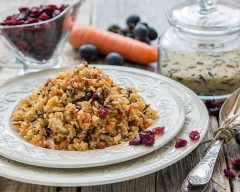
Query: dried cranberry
[229,173]
[20,23]
[35,11]
[95,96]
[11,22]
[15,33]
[194,135]
[22,45]
[40,50]
[50,9]
[214,111]
[147,137]
[147,132]
[32,20]
[158,130]
[38,42]
[135,141]
[219,103]
[239,176]
[180,143]
[148,142]
[103,112]
[53,6]
[88,96]
[14,17]
[236,163]
[78,107]
[209,104]
[101,145]
[8,18]
[44,17]
[213,107]
[63,7]
[131,123]
[47,83]
[23,9]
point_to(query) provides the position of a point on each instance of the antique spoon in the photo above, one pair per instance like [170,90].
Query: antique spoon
[197,180]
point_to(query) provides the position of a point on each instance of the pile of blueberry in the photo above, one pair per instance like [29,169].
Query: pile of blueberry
[35,41]
[135,29]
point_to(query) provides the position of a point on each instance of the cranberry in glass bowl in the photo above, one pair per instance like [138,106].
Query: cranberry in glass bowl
[37,31]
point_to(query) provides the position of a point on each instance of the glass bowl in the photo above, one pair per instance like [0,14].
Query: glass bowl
[39,44]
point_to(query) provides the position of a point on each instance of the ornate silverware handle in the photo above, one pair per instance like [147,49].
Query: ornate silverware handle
[202,172]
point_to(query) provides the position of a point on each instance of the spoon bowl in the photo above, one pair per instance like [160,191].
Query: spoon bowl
[231,106]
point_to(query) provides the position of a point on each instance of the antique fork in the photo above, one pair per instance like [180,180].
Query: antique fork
[198,178]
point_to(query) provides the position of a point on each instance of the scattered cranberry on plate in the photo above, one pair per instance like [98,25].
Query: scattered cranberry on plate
[146,137]
[135,141]
[180,143]
[158,130]
[194,135]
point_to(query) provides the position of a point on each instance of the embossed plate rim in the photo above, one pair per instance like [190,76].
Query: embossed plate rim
[141,166]
[44,157]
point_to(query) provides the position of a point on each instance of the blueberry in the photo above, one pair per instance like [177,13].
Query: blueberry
[237,136]
[152,33]
[144,39]
[143,23]
[114,59]
[114,28]
[140,31]
[121,33]
[88,52]
[132,20]
[124,31]
[131,35]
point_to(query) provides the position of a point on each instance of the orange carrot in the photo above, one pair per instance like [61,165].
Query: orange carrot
[107,42]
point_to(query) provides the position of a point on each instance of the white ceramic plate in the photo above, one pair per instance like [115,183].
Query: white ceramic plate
[196,119]
[12,146]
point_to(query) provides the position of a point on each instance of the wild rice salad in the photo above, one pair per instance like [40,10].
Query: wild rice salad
[81,109]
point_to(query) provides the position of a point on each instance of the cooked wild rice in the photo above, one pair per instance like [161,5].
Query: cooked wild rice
[81,109]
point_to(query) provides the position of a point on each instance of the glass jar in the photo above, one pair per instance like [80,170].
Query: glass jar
[202,47]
